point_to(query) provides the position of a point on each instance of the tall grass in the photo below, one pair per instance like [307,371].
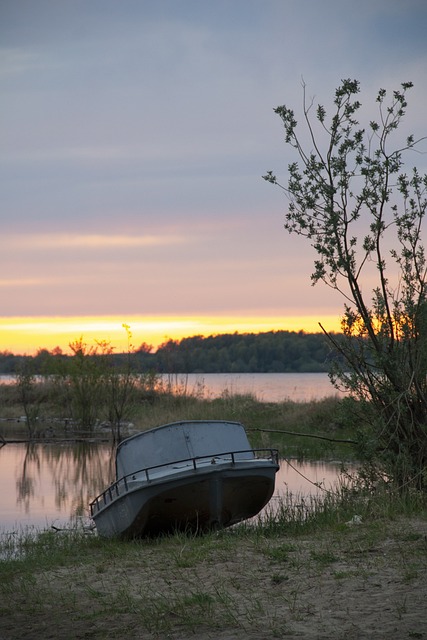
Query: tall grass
[246,579]
[350,504]
[266,423]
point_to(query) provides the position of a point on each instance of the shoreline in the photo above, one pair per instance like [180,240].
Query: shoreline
[366,581]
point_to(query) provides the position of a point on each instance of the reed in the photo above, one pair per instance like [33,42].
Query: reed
[268,424]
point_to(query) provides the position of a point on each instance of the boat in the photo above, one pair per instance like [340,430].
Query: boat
[192,476]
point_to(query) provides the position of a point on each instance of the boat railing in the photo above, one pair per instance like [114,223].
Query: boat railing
[122,486]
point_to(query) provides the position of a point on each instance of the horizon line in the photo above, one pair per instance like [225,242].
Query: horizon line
[26,335]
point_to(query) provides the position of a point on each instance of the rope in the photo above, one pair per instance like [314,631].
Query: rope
[305,435]
[315,484]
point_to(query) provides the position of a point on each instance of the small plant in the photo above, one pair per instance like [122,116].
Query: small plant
[85,379]
[26,384]
[121,382]
[281,553]
[324,557]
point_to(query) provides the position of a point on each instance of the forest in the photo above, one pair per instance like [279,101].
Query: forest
[270,352]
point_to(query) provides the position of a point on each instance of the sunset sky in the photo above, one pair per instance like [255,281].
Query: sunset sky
[134,135]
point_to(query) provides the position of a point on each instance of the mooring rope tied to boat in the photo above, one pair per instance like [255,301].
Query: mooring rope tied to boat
[316,484]
[305,435]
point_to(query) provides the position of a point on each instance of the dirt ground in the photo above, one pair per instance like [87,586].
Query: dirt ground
[367,581]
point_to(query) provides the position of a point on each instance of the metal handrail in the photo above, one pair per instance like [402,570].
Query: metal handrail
[273,455]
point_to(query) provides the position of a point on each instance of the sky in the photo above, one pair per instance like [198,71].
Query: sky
[134,136]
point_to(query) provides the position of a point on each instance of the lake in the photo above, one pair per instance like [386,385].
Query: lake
[266,387]
[45,484]
[52,484]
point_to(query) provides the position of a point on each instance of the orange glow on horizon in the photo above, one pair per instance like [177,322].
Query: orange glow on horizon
[22,335]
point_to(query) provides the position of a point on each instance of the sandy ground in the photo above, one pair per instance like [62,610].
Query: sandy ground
[365,582]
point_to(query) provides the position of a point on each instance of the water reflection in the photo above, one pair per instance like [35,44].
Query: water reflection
[51,483]
[45,484]
[26,480]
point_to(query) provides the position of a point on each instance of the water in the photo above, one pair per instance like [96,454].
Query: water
[52,484]
[266,387]
[49,484]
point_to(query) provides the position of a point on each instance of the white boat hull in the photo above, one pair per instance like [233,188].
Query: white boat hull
[209,490]
[196,501]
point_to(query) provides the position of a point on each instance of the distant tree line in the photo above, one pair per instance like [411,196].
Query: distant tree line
[273,351]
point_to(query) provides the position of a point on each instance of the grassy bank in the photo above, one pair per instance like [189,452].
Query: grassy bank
[268,424]
[320,576]
[350,564]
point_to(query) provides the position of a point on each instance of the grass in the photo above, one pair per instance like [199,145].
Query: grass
[271,578]
[265,422]
[261,578]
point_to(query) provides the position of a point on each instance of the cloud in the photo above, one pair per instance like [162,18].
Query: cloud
[25,282]
[135,134]
[17,61]
[54,241]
